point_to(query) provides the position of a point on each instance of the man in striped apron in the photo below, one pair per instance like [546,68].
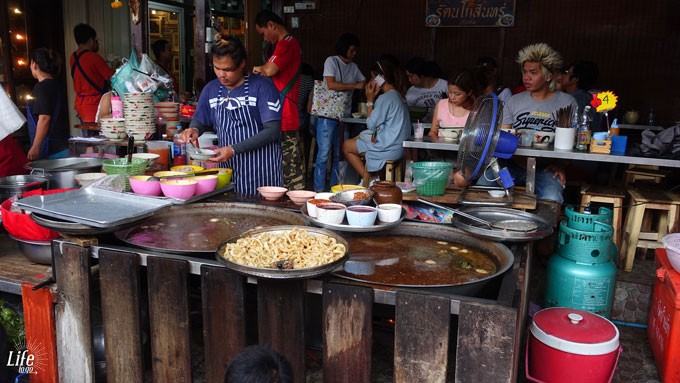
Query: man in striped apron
[245,112]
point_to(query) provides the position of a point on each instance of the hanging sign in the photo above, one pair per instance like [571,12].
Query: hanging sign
[604,101]
[470,13]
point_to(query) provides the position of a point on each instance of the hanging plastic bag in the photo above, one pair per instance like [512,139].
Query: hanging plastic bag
[159,80]
[123,80]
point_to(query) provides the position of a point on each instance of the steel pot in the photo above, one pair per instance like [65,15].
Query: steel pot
[61,172]
[36,251]
[17,185]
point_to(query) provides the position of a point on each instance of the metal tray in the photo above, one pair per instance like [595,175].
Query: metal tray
[305,273]
[495,214]
[196,198]
[67,227]
[94,207]
[197,229]
[344,226]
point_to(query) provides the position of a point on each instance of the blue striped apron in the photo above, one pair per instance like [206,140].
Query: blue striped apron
[235,122]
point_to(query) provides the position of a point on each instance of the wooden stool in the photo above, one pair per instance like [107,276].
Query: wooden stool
[645,173]
[394,170]
[608,195]
[668,204]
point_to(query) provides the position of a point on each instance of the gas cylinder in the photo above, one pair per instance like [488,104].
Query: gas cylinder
[583,286]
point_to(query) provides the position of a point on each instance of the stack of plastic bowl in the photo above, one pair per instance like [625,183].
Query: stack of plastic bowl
[140,116]
[113,128]
[168,112]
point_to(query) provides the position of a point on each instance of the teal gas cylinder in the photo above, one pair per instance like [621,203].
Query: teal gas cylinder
[588,247]
[583,286]
[586,221]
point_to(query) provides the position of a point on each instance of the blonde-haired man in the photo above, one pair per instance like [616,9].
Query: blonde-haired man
[535,109]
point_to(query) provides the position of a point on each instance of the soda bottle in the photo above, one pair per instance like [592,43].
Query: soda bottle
[179,149]
[583,134]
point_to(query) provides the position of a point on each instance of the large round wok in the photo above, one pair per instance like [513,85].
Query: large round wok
[198,229]
[381,252]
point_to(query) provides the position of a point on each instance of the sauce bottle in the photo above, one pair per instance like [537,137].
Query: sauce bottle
[179,149]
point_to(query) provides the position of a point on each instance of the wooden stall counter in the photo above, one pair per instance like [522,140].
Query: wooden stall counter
[15,269]
[452,196]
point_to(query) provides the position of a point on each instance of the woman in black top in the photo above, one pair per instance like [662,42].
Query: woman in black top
[47,123]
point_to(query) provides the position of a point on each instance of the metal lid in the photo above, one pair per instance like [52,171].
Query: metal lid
[575,331]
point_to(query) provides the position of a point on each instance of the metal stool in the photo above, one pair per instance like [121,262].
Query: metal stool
[608,195]
[642,201]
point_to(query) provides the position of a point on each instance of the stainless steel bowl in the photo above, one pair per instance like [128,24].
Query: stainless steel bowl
[347,197]
[36,251]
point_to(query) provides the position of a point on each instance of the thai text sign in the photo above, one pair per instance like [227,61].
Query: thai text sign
[470,13]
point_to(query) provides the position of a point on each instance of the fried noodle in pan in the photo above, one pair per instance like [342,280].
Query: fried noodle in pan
[294,249]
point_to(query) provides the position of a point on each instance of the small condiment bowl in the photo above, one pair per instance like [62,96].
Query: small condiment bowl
[272,193]
[312,204]
[170,173]
[149,157]
[142,185]
[330,213]
[344,187]
[389,212]
[361,215]
[300,197]
[354,197]
[181,189]
[186,168]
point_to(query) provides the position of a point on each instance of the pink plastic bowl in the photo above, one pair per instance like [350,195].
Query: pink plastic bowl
[204,184]
[272,193]
[181,189]
[299,197]
[141,185]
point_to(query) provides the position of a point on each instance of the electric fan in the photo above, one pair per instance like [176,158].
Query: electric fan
[482,142]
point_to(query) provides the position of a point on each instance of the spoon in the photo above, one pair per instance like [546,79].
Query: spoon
[518,225]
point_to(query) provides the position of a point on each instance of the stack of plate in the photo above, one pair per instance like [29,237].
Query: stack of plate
[113,128]
[169,112]
[140,116]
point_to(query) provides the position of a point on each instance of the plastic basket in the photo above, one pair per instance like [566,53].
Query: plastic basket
[586,221]
[672,244]
[121,166]
[430,178]
[590,247]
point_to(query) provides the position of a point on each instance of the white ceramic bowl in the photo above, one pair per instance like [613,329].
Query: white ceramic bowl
[389,212]
[361,215]
[201,154]
[324,195]
[543,139]
[312,203]
[331,213]
[450,133]
[497,193]
[149,157]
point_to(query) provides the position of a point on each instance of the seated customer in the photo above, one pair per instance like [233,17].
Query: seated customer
[453,111]
[388,125]
[426,86]
[536,109]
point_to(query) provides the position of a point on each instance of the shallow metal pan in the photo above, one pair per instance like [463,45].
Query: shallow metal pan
[496,214]
[305,273]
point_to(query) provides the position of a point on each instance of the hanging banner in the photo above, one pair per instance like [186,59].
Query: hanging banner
[470,13]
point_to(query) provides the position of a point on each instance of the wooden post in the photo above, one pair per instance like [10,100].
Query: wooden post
[347,333]
[169,318]
[224,319]
[41,341]
[421,337]
[200,56]
[281,319]
[120,300]
[72,314]
[253,39]
[139,33]
[486,336]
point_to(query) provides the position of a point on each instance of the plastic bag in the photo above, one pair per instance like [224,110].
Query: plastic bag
[145,76]
[113,182]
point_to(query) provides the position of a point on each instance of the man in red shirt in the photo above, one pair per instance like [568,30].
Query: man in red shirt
[89,71]
[284,69]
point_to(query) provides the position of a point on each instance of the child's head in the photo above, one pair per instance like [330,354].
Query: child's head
[463,89]
[259,364]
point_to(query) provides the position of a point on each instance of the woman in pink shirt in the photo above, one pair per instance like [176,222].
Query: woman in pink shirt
[454,110]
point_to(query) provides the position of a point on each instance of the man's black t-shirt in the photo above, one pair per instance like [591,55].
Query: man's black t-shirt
[48,99]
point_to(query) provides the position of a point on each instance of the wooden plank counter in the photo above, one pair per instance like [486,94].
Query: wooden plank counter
[16,269]
[452,196]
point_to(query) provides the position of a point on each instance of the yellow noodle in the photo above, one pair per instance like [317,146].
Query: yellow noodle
[299,246]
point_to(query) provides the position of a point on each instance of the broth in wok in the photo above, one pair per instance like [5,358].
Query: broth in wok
[201,228]
[415,261]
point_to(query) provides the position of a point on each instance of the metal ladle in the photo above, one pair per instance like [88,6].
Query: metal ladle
[506,224]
